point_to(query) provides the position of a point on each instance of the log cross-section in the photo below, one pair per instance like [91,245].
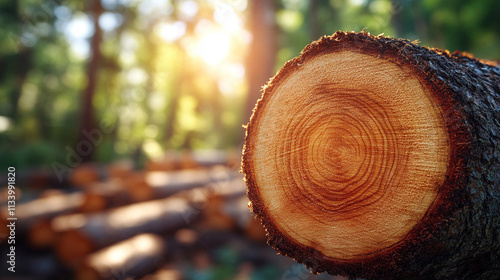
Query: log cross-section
[366,155]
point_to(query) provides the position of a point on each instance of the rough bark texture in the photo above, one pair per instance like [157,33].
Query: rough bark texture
[458,238]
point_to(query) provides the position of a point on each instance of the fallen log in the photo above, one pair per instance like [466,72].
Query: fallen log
[33,216]
[195,159]
[160,184]
[173,160]
[85,174]
[44,208]
[96,197]
[223,208]
[35,179]
[227,209]
[131,258]
[120,169]
[104,195]
[376,158]
[81,234]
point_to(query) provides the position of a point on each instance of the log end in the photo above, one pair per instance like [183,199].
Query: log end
[352,155]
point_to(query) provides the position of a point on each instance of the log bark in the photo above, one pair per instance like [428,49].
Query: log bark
[129,259]
[376,158]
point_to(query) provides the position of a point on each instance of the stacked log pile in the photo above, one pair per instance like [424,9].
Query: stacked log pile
[171,219]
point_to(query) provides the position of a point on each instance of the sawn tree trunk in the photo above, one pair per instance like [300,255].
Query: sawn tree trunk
[376,158]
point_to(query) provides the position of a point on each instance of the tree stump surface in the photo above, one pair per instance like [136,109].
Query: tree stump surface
[376,158]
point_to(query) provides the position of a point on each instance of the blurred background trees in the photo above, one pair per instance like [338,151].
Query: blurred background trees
[136,78]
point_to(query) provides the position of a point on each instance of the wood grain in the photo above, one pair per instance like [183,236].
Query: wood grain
[363,158]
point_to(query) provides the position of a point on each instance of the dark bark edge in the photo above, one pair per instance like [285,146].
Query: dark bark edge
[424,251]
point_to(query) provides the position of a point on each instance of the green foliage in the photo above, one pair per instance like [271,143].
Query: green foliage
[161,83]
[35,154]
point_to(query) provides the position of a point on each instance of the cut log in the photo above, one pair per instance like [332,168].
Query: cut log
[158,184]
[81,234]
[103,195]
[33,216]
[44,208]
[210,158]
[226,209]
[85,174]
[376,158]
[128,259]
[34,179]
[173,161]
[120,169]
[188,159]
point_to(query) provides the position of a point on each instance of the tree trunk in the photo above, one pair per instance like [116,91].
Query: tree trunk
[397,17]
[376,158]
[88,123]
[262,50]
[314,27]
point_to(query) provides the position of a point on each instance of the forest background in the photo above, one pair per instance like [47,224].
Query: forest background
[108,79]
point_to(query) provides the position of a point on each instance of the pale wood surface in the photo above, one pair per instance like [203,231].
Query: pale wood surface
[349,153]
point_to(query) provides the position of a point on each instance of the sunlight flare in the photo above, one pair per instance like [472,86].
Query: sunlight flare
[214,47]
